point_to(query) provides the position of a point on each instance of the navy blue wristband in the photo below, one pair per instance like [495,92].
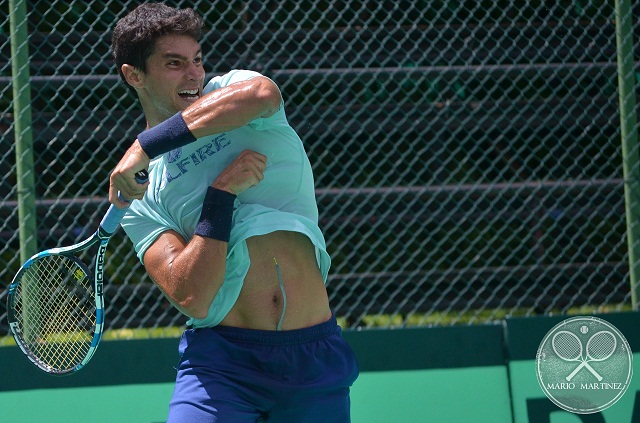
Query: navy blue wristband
[216,215]
[166,136]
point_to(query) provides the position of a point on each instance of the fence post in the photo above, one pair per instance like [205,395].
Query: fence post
[629,135]
[22,127]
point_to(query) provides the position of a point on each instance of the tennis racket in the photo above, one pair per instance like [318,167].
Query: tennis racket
[600,347]
[55,304]
[568,347]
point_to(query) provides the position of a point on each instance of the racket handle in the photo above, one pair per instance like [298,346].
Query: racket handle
[114,215]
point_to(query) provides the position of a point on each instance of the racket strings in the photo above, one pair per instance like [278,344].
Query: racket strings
[567,347]
[601,346]
[56,311]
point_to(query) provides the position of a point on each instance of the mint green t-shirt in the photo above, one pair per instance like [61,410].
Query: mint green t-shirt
[283,200]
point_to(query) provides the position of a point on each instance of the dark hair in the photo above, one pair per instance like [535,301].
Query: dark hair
[135,35]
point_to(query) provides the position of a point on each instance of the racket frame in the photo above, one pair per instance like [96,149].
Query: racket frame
[100,237]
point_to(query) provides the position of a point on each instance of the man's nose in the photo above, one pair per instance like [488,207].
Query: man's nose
[195,71]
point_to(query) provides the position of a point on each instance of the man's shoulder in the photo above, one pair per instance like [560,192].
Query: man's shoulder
[231,77]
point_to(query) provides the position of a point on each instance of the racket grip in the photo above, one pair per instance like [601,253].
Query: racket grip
[114,215]
[112,219]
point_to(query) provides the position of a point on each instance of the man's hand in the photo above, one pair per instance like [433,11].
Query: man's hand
[123,180]
[244,172]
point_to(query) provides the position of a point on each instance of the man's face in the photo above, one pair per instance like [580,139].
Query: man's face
[174,78]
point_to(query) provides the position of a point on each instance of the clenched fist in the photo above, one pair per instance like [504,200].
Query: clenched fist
[244,172]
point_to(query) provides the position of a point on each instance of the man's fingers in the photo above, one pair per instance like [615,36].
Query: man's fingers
[123,190]
[258,160]
[114,198]
[128,182]
[246,171]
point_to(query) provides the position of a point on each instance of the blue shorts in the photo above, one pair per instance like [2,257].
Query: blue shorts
[238,375]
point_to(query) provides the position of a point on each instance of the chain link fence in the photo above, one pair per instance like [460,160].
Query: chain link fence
[467,154]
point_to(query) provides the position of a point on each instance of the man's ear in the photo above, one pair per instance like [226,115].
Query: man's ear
[133,75]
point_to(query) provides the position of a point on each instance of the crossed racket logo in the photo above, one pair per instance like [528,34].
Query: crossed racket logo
[582,350]
[568,347]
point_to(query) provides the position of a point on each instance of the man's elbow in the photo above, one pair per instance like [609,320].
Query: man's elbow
[268,94]
[194,307]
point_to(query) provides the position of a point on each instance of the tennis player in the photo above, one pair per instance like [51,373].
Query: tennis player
[227,227]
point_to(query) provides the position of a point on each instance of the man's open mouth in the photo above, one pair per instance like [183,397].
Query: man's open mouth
[189,94]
